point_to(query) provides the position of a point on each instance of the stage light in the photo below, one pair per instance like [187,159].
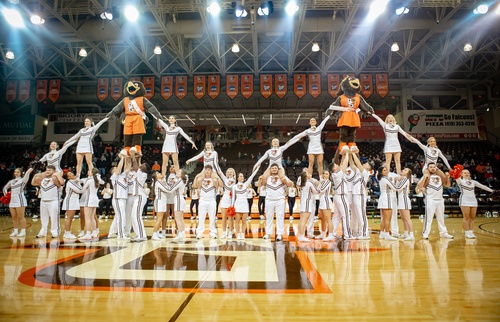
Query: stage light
[266,8]
[157,50]
[107,14]
[13,17]
[37,20]
[467,47]
[291,7]
[10,54]
[402,11]
[82,53]
[131,13]
[214,8]
[377,7]
[240,12]
[481,9]
[395,47]
[235,48]
[315,47]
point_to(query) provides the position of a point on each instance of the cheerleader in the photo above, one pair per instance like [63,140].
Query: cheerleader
[54,156]
[91,203]
[228,181]
[120,194]
[275,156]
[392,148]
[315,148]
[160,204]
[71,202]
[325,206]
[358,206]
[240,204]
[211,158]
[292,196]
[432,154]
[404,205]
[177,188]
[84,147]
[307,203]
[385,202]
[468,201]
[170,144]
[139,175]
[18,202]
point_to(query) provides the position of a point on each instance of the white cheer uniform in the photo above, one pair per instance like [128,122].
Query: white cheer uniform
[119,202]
[342,201]
[207,205]
[84,138]
[314,134]
[170,195]
[240,193]
[391,131]
[161,192]
[432,155]
[90,192]
[467,196]
[275,204]
[325,189]
[177,188]
[54,156]
[140,199]
[358,206]
[72,199]
[275,155]
[229,183]
[404,201]
[307,200]
[434,204]
[16,186]
[49,206]
[171,133]
[210,158]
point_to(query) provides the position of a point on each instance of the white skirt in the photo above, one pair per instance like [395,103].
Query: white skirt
[180,204]
[225,201]
[241,206]
[467,201]
[404,203]
[72,203]
[17,201]
[392,146]
[160,205]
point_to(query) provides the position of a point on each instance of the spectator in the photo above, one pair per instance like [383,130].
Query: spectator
[156,167]
[304,162]
[101,165]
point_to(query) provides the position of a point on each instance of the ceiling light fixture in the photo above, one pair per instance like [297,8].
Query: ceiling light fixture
[157,50]
[213,8]
[402,11]
[467,47]
[107,15]
[240,12]
[131,13]
[82,53]
[481,9]
[270,119]
[13,17]
[291,7]
[315,47]
[37,20]
[377,7]
[395,47]
[266,8]
[10,54]
[235,48]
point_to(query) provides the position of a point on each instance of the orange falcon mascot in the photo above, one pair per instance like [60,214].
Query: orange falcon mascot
[132,110]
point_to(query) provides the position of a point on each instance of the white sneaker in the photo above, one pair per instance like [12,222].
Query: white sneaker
[69,235]
[138,239]
[349,237]
[266,236]
[329,238]
[279,238]
[303,239]
[81,233]
[213,235]
[155,236]
[22,233]
[262,218]
[446,235]
[180,237]
[402,236]
[320,236]
[409,238]
[364,237]
[390,238]
[199,236]
[223,236]
[55,235]
[112,235]
[87,236]
[95,234]
[229,236]
[14,234]
[471,235]
[425,236]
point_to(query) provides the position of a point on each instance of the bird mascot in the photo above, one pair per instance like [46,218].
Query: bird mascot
[132,110]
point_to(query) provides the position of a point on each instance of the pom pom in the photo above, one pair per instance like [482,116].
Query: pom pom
[457,171]
[231,212]
[5,199]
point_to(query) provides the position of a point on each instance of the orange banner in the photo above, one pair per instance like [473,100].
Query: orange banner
[11,90]
[41,90]
[247,85]
[116,88]
[232,86]
[266,85]
[166,86]
[314,85]
[200,87]
[54,89]
[180,86]
[102,88]
[149,85]
[366,84]
[382,85]
[24,90]
[299,84]
[135,79]
[213,86]
[280,85]
[333,84]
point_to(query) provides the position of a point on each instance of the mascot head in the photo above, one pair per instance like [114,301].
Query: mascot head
[134,89]
[349,86]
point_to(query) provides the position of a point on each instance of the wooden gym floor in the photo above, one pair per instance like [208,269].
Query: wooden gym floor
[253,280]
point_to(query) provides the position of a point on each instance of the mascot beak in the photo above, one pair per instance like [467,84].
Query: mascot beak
[354,83]
[132,88]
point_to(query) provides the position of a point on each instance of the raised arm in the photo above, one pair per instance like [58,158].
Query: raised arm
[249,180]
[116,111]
[339,108]
[365,107]
[323,123]
[27,175]
[163,124]
[482,186]
[75,187]
[445,161]
[98,125]
[181,132]
[343,162]
[37,179]
[294,140]
[262,159]
[414,140]
[149,107]
[64,148]
[379,120]
[196,157]
[72,139]
[58,179]
[357,162]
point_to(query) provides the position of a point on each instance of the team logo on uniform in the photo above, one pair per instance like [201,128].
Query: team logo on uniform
[468,182]
[274,152]
[434,151]
[274,179]
[436,180]
[240,186]
[209,154]
[348,172]
[206,183]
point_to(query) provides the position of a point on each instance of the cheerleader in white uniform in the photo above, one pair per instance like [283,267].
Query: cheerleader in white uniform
[18,202]
[177,188]
[404,205]
[315,148]
[391,145]
[82,210]
[432,153]
[84,147]
[211,158]
[120,194]
[54,156]
[160,204]
[325,206]
[170,144]
[468,201]
[275,156]
[240,203]
[385,202]
[307,203]
[358,206]
[91,203]
[228,182]
[71,202]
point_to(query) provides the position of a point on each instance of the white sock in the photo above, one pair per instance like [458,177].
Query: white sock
[23,231]
[15,230]
[411,235]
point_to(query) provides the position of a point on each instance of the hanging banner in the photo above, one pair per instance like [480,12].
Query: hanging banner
[266,85]
[382,85]
[299,84]
[11,90]
[314,85]
[366,84]
[54,89]
[199,87]
[135,79]
[213,86]
[116,88]
[280,85]
[24,90]
[102,88]
[41,90]
[166,86]
[247,85]
[180,86]
[232,86]
[149,85]
[441,124]
[333,84]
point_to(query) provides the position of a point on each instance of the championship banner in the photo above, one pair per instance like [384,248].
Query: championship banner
[149,85]
[41,90]
[102,88]
[166,87]
[382,85]
[54,89]
[314,85]
[247,85]
[180,86]
[116,88]
[199,87]
[366,84]
[11,90]
[24,90]
[333,84]
[280,85]
[441,124]
[135,79]
[232,86]
[299,85]
[213,86]
[266,85]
